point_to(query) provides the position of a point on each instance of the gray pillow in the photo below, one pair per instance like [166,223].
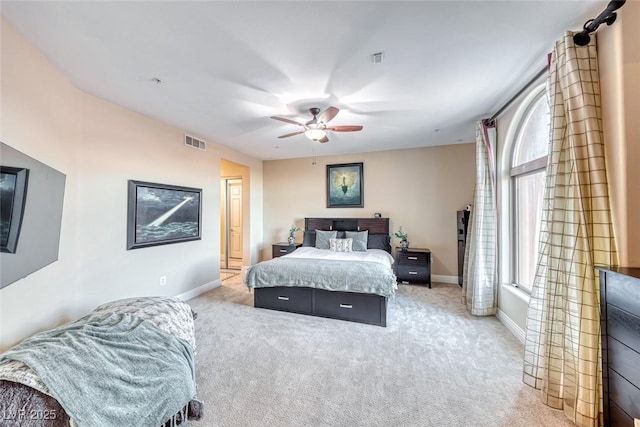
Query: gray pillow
[309,239]
[323,237]
[379,241]
[359,239]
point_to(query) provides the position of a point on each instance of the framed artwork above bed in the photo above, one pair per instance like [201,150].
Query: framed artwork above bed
[345,187]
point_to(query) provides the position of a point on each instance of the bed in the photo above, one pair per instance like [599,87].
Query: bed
[344,284]
[129,362]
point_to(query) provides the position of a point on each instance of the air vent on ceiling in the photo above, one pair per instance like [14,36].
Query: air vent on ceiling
[377,58]
[195,142]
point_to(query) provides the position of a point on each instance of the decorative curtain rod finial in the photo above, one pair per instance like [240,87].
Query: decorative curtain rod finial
[608,16]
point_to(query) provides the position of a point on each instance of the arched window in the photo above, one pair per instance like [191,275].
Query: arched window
[528,168]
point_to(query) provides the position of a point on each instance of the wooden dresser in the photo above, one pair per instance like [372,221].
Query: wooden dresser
[620,320]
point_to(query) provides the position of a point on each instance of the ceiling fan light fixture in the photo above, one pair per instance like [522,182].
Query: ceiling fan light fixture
[316,129]
[315,134]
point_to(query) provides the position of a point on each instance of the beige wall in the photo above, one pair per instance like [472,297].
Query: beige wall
[619,58]
[99,146]
[619,62]
[419,189]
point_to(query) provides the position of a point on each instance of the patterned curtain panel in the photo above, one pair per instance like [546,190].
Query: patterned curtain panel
[562,348]
[479,278]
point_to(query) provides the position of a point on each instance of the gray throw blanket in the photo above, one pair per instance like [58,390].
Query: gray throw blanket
[331,275]
[112,369]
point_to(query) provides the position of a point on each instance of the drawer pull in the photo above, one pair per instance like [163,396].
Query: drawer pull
[346,306]
[414,258]
[413,272]
[282,251]
[283,298]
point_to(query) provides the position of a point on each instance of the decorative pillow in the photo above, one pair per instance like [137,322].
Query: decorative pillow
[379,241]
[359,240]
[309,238]
[341,245]
[322,238]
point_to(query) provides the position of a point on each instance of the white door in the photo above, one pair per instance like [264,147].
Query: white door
[235,219]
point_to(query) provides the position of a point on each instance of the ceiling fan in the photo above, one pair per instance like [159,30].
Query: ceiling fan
[316,128]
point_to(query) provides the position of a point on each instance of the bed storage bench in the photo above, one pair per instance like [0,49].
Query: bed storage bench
[355,307]
[293,300]
[363,308]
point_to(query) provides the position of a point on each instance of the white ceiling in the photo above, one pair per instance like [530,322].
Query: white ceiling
[227,66]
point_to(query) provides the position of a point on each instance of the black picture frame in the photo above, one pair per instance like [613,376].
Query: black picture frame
[13,197]
[345,186]
[161,214]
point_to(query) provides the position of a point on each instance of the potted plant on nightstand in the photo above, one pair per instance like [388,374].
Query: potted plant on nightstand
[404,243]
[292,230]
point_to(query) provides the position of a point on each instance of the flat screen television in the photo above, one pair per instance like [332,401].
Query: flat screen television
[13,194]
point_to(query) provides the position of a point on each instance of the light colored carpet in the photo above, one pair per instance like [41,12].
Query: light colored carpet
[434,365]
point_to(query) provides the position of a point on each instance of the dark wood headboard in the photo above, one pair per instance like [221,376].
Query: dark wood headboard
[374,225]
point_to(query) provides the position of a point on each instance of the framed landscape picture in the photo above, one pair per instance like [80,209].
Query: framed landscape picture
[345,186]
[160,214]
[13,195]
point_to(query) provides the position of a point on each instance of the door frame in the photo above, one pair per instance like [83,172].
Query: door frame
[227,227]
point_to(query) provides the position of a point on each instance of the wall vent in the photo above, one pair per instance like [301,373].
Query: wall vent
[195,142]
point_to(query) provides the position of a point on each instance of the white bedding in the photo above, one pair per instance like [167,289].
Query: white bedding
[371,255]
[367,272]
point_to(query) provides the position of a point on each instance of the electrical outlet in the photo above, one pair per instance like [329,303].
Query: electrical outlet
[163,280]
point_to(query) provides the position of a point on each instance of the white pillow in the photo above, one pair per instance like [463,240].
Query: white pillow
[341,245]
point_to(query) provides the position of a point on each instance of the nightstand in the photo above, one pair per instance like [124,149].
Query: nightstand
[413,266]
[283,248]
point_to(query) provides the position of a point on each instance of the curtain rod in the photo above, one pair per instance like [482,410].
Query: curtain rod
[607,16]
[582,38]
[520,92]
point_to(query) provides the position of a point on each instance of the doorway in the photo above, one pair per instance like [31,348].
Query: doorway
[234,217]
[231,227]
[233,259]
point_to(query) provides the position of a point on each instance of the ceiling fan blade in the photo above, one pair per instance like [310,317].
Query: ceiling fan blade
[328,114]
[291,134]
[324,139]
[345,128]
[283,119]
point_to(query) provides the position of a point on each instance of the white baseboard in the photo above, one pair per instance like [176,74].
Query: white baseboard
[192,293]
[511,325]
[444,279]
